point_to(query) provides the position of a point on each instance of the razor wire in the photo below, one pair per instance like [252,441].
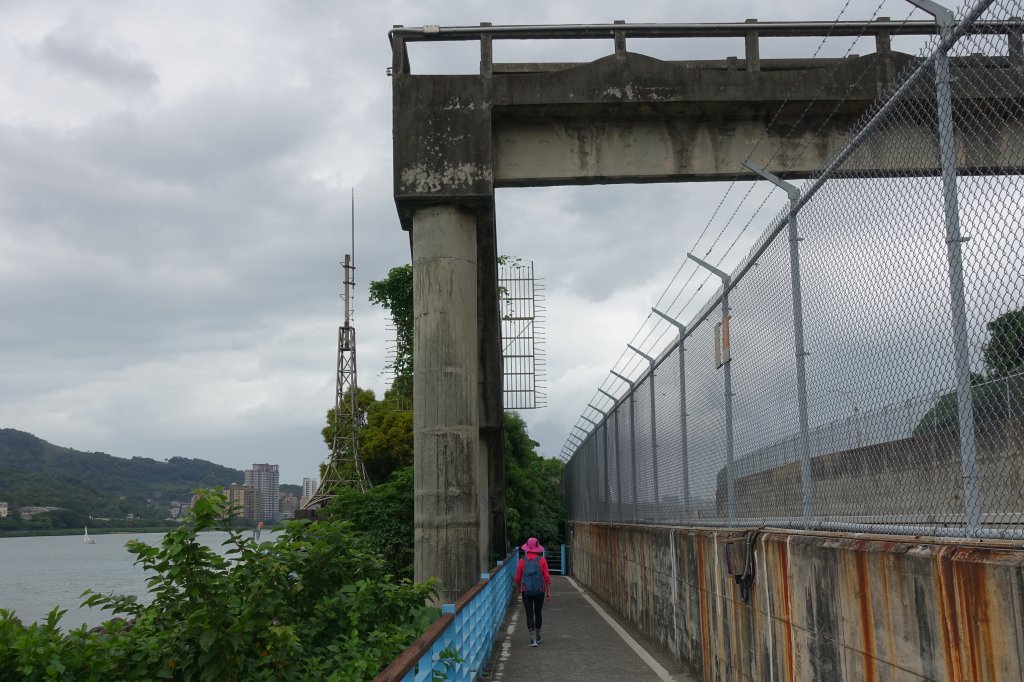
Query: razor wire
[908,249]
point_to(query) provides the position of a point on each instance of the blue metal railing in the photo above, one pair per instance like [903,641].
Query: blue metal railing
[556,560]
[466,629]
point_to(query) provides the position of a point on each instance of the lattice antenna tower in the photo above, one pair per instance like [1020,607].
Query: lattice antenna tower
[345,467]
[522,335]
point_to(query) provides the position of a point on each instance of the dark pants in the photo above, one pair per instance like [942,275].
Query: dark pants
[533,604]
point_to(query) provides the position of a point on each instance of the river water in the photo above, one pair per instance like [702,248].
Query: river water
[38,573]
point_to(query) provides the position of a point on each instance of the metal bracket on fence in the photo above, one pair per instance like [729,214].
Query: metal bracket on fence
[943,16]
[681,328]
[807,489]
[632,438]
[615,416]
[607,485]
[590,421]
[730,482]
[651,362]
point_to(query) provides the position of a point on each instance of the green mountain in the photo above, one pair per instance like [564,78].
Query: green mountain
[95,484]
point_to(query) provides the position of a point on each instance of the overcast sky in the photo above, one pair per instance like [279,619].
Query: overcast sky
[174,202]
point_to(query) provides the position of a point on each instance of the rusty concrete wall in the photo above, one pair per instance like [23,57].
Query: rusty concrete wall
[822,606]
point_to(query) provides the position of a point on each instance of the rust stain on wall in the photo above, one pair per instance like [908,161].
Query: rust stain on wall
[787,605]
[893,610]
[946,591]
[702,591]
[972,609]
[867,624]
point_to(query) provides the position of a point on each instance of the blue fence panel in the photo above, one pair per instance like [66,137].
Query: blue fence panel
[470,634]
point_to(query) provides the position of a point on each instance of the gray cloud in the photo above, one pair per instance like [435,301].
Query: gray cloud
[80,55]
[174,201]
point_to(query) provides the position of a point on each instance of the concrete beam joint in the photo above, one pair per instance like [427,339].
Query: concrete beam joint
[883,39]
[753,49]
[1015,40]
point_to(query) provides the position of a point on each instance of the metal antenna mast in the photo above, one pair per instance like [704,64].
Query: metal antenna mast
[345,466]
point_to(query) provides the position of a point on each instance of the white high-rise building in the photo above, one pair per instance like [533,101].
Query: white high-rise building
[308,487]
[264,479]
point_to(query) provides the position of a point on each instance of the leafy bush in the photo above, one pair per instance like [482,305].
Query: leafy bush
[316,603]
[385,513]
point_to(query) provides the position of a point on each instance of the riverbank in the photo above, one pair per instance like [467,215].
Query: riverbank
[113,530]
[50,532]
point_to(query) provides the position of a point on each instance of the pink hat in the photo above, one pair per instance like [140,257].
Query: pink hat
[533,547]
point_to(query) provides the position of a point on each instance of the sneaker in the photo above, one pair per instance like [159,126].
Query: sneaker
[539,638]
[534,642]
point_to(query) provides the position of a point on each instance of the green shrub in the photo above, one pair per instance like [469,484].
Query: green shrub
[316,603]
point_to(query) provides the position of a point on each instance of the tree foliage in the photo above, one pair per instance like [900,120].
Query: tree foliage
[384,439]
[384,513]
[317,603]
[394,293]
[992,399]
[1004,352]
[535,505]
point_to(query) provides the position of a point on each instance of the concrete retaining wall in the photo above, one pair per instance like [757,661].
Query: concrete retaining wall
[821,606]
[912,480]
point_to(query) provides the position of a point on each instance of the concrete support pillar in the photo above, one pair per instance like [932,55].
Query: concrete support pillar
[446,421]
[494,537]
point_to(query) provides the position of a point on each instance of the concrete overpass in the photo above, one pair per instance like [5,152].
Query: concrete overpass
[623,118]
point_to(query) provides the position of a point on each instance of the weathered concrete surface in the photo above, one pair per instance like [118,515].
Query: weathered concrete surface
[822,606]
[449,482]
[632,118]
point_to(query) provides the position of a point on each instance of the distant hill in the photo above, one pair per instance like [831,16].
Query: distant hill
[35,472]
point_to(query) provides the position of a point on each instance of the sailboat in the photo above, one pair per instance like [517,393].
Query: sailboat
[88,540]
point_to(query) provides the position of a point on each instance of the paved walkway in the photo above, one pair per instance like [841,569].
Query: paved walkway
[579,644]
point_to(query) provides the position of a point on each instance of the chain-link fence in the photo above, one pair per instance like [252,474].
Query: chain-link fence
[870,371]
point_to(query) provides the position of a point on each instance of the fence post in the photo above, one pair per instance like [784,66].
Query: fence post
[682,404]
[632,440]
[947,162]
[807,489]
[618,458]
[730,483]
[593,447]
[654,428]
[604,425]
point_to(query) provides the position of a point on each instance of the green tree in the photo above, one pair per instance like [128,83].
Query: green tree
[535,506]
[1004,352]
[384,513]
[386,441]
[394,293]
[992,399]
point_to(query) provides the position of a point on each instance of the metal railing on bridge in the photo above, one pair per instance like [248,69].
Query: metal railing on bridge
[458,645]
[861,368]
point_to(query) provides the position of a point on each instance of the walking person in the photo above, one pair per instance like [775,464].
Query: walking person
[534,582]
